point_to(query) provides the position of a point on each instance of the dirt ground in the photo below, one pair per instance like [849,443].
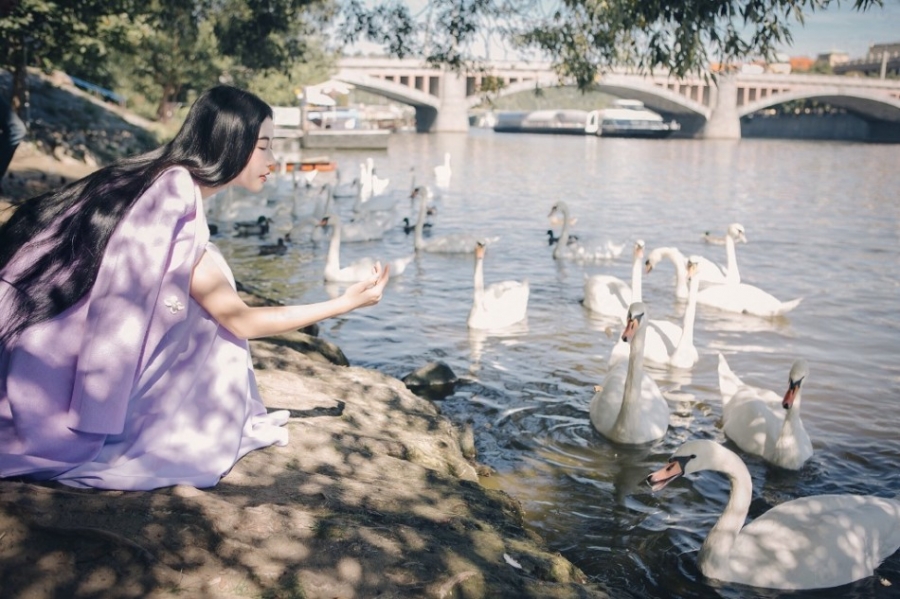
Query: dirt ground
[372,498]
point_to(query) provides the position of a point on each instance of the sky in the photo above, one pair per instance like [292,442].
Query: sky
[845,30]
[838,29]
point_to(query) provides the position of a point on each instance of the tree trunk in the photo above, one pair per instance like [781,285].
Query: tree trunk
[19,96]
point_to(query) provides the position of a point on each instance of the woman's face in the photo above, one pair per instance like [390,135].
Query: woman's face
[254,175]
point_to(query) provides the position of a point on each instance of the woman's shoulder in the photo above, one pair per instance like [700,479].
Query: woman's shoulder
[176,187]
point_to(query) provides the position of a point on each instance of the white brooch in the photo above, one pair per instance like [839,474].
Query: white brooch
[173,304]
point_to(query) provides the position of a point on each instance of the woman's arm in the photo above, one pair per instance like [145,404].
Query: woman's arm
[212,290]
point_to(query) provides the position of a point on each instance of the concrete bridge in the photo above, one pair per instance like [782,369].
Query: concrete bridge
[443,98]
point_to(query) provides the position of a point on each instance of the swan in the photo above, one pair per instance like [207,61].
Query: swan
[346,190]
[357,271]
[714,274]
[442,173]
[611,296]
[678,260]
[575,251]
[745,299]
[501,304]
[459,243]
[630,408]
[668,345]
[764,423]
[370,183]
[815,542]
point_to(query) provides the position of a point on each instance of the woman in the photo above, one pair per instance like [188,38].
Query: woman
[124,361]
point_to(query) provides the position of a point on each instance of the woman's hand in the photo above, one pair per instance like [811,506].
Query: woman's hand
[368,292]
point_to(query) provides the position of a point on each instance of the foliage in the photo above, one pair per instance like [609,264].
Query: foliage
[585,37]
[156,51]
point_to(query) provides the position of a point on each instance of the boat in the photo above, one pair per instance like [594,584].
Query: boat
[629,118]
[625,118]
[567,122]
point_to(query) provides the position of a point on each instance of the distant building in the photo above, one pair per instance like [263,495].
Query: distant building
[801,64]
[881,60]
[833,59]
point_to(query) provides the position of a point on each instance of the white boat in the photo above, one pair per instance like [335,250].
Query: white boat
[628,118]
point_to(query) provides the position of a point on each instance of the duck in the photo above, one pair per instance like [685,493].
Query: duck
[277,249]
[575,251]
[249,228]
[629,408]
[611,296]
[458,243]
[713,239]
[498,306]
[764,423]
[743,298]
[442,173]
[669,345]
[357,271]
[409,228]
[551,238]
[815,542]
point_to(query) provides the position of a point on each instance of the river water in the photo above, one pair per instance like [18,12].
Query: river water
[823,223]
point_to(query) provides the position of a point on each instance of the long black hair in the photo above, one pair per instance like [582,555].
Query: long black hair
[68,229]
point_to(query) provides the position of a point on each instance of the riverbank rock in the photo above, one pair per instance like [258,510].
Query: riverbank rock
[434,381]
[371,498]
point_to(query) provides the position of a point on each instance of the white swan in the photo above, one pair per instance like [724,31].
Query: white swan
[611,296]
[346,190]
[575,251]
[498,306]
[458,243]
[442,173]
[370,184]
[630,408]
[714,274]
[745,299]
[678,260]
[764,423]
[357,271]
[814,542]
[669,345]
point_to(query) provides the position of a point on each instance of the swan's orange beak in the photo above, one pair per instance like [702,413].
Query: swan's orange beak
[630,329]
[662,477]
[788,402]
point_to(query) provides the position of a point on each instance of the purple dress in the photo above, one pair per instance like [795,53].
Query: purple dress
[136,386]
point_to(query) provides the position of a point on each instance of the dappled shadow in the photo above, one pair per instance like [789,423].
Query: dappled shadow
[371,497]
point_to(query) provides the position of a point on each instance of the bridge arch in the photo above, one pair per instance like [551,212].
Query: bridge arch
[866,106]
[425,104]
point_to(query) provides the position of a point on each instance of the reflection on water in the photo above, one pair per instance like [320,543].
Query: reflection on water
[823,223]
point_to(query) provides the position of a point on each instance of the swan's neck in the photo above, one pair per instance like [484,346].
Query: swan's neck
[716,549]
[731,275]
[630,413]
[479,280]
[690,314]
[333,260]
[637,272]
[419,240]
[681,282]
[563,239]
[791,430]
